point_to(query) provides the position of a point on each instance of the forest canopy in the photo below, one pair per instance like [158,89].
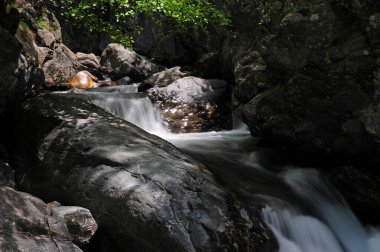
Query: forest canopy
[118,17]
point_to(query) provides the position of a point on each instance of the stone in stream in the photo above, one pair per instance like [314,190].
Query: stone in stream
[27,224]
[192,104]
[82,79]
[143,192]
[79,221]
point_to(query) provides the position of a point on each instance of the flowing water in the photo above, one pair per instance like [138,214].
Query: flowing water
[305,212]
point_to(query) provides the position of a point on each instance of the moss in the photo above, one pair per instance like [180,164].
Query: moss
[43,23]
[24,27]
[43,20]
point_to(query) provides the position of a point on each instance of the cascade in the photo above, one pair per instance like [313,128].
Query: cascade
[305,212]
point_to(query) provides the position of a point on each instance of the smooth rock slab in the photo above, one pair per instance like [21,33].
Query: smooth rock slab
[143,192]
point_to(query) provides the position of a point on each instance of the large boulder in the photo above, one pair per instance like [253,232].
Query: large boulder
[27,224]
[192,104]
[122,61]
[144,193]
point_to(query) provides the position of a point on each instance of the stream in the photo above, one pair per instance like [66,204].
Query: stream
[303,210]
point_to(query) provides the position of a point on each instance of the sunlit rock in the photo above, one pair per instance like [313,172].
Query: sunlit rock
[83,79]
[192,104]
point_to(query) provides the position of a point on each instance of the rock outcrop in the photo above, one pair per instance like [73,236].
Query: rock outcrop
[135,184]
[27,224]
[308,90]
[192,104]
[20,75]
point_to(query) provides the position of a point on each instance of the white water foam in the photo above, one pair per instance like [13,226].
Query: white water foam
[332,227]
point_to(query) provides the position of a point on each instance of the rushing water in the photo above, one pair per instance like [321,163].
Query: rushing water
[305,212]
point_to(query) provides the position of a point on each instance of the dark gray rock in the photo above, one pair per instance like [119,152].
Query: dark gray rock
[60,68]
[26,224]
[306,90]
[373,29]
[7,176]
[124,81]
[20,75]
[9,21]
[122,61]
[143,192]
[192,104]
[163,78]
[79,222]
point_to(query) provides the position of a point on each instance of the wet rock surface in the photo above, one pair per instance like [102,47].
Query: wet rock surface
[134,183]
[192,104]
[26,224]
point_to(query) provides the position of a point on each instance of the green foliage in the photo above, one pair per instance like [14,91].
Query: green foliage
[117,17]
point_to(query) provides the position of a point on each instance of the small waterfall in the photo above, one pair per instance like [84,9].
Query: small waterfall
[135,108]
[139,111]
